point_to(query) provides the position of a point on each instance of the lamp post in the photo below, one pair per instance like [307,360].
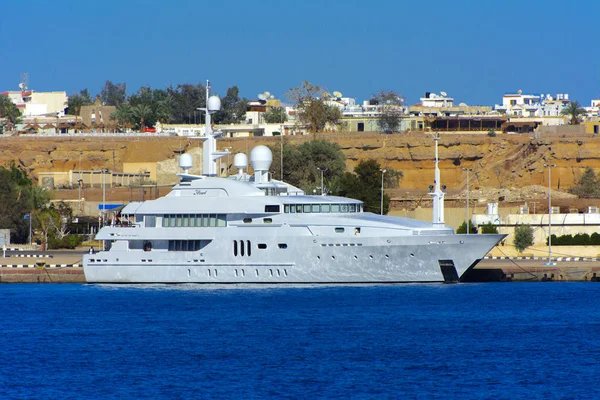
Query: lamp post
[103,197]
[79,183]
[467,203]
[383,171]
[550,166]
[322,170]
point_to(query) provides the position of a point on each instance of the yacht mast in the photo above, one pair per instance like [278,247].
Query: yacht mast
[209,150]
[437,194]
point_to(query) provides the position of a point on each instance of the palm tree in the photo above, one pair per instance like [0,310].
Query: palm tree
[573,110]
[142,112]
[75,103]
[123,115]
[164,110]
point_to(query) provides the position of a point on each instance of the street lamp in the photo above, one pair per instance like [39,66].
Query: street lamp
[322,170]
[383,171]
[467,203]
[550,166]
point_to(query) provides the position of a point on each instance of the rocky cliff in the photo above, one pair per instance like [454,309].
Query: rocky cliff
[505,161]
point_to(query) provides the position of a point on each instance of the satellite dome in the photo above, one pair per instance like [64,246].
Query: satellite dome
[214,103]
[240,161]
[261,158]
[185,161]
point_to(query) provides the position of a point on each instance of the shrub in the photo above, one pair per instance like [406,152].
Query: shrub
[489,228]
[523,237]
[463,228]
[491,133]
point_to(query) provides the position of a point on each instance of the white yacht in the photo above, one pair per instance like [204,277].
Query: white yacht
[253,229]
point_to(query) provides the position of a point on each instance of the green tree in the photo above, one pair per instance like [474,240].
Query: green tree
[233,108]
[76,101]
[523,237]
[489,228]
[276,115]
[9,113]
[365,184]
[588,185]
[574,111]
[301,163]
[390,107]
[142,113]
[462,229]
[18,198]
[123,115]
[46,222]
[186,99]
[312,108]
[113,94]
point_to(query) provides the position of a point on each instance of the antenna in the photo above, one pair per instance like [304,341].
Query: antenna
[24,81]
[444,94]
[520,91]
[261,96]
[337,94]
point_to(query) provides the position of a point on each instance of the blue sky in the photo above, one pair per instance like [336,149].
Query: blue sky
[474,50]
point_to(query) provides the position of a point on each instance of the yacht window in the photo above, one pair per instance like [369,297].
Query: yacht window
[221,220]
[213,220]
[249,247]
[247,220]
[358,208]
[339,230]
[235,248]
[344,208]
[286,208]
[165,222]
[139,218]
[186,220]
[178,220]
[272,208]
[150,221]
[325,208]
[242,248]
[267,220]
[172,220]
[315,208]
[352,207]
[298,208]
[262,246]
[307,208]
[282,246]
[198,220]
[335,208]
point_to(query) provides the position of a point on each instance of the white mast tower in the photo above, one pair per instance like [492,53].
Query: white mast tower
[209,151]
[436,189]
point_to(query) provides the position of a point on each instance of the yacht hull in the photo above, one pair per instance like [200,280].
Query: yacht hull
[298,260]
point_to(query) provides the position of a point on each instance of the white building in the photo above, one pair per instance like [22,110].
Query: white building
[437,100]
[532,105]
[39,104]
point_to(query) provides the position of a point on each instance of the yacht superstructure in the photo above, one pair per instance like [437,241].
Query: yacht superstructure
[253,229]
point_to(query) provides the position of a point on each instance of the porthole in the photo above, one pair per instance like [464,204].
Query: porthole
[256,272]
[333,257]
[412,254]
[262,246]
[271,272]
[356,257]
[386,256]
[339,230]
[284,246]
[247,220]
[371,257]
[318,257]
[285,272]
[267,220]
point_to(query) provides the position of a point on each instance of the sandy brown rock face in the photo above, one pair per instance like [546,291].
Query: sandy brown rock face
[504,161]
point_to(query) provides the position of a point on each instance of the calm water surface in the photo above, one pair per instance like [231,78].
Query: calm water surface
[488,341]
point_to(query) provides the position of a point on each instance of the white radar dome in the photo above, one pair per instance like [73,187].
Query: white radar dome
[240,161]
[214,103]
[185,161]
[261,158]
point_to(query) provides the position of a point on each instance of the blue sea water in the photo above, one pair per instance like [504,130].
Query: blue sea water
[472,341]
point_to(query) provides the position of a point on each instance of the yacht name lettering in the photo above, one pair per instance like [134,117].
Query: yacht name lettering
[200,192]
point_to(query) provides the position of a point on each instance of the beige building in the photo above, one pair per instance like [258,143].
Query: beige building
[39,104]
